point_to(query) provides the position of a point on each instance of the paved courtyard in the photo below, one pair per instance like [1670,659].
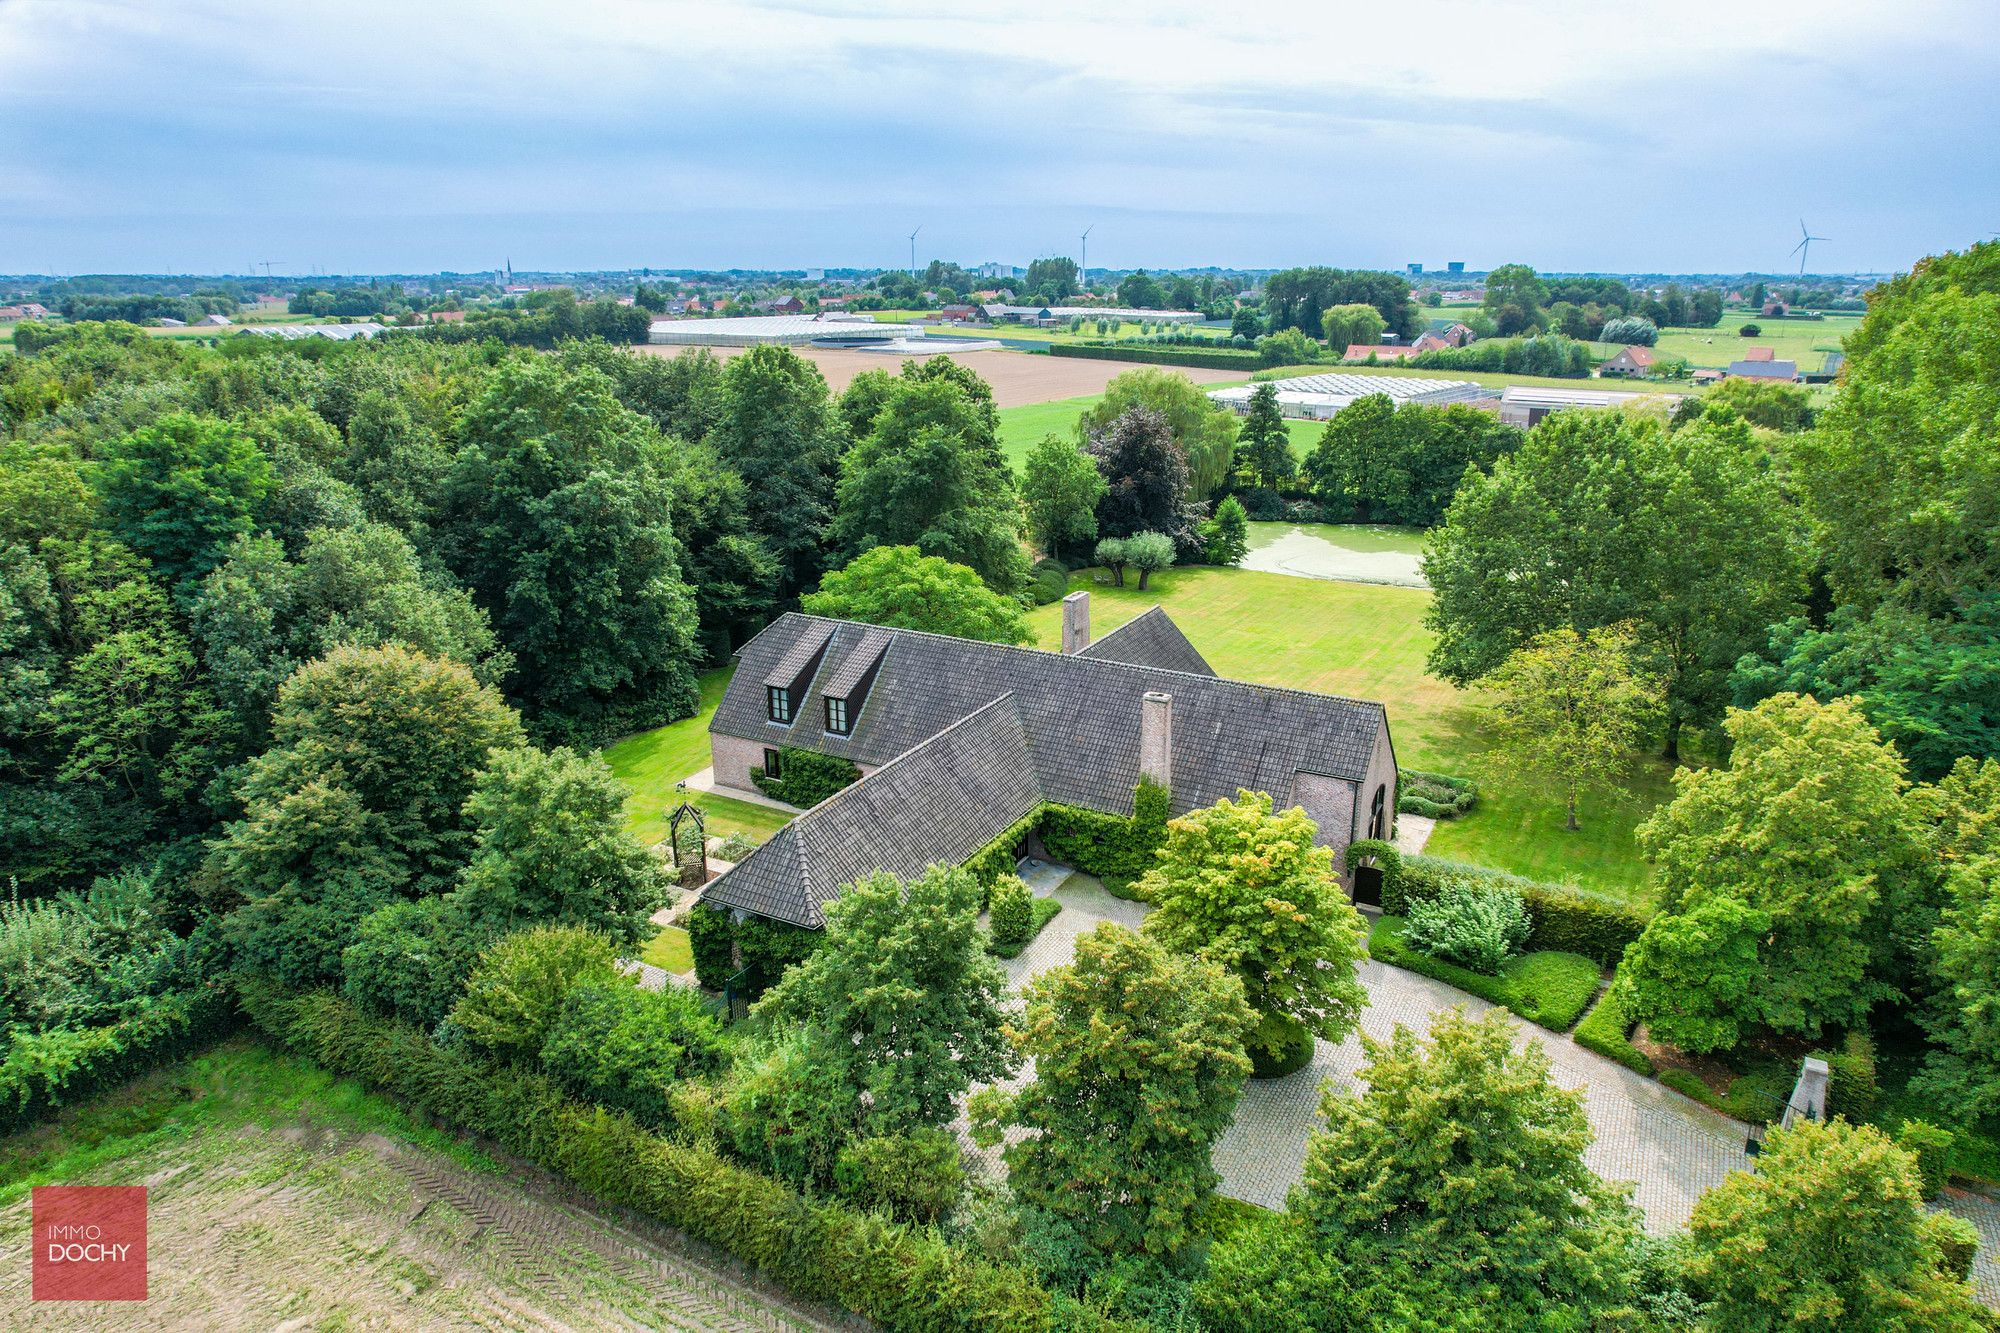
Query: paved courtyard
[1670,1148]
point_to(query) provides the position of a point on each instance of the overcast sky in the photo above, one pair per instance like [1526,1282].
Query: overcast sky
[417,135]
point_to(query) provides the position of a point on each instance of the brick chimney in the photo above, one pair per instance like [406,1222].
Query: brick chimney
[1156,737]
[1076,622]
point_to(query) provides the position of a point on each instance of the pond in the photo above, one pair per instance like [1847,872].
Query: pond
[1351,552]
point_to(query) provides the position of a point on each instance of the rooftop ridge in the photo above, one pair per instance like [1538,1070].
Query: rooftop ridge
[885,766]
[1104,663]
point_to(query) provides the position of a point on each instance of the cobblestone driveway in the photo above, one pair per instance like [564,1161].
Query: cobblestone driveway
[1669,1147]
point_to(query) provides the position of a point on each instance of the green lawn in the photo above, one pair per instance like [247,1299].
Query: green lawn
[650,763]
[670,950]
[1367,641]
[1805,341]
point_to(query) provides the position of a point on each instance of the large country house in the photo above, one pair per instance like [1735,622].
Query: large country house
[958,741]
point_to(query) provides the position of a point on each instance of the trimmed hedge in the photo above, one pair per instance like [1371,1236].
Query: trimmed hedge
[1434,795]
[906,1279]
[1547,988]
[1561,918]
[45,1071]
[1607,1030]
[1165,356]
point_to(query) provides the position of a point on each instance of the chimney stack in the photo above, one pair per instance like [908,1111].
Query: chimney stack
[1076,622]
[1156,737]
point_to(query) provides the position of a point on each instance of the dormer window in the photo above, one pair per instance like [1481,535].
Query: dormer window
[780,700]
[836,717]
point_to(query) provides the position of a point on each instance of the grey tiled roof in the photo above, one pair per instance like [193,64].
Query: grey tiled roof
[1150,639]
[798,656]
[848,671]
[1067,732]
[941,802]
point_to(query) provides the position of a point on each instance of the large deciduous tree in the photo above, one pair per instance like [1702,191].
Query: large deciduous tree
[1138,1055]
[1963,815]
[901,1001]
[929,474]
[1809,827]
[179,491]
[1450,1195]
[1350,325]
[778,429]
[1060,488]
[1601,518]
[900,586]
[563,500]
[1146,477]
[1570,708]
[1830,1233]
[1204,430]
[1248,889]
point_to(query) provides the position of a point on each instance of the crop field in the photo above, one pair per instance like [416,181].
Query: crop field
[1368,641]
[280,1197]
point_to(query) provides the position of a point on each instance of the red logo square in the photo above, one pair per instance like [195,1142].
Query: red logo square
[90,1243]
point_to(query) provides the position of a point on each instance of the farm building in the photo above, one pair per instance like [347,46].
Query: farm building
[1524,407]
[1785,371]
[792,330]
[1630,363]
[959,742]
[1318,397]
[332,332]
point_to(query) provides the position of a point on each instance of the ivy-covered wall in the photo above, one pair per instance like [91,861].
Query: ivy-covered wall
[805,777]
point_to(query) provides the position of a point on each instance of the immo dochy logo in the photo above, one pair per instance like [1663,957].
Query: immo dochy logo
[90,1243]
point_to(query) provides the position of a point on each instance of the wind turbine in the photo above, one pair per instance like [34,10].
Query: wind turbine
[913,250]
[1083,275]
[1804,248]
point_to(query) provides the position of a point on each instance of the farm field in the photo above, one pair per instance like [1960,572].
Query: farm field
[1804,341]
[1018,378]
[1367,641]
[282,1197]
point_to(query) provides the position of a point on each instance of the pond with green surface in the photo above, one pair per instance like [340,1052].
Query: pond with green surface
[1353,552]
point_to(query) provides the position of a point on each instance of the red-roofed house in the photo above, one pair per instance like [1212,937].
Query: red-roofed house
[1380,351]
[1758,354]
[1630,363]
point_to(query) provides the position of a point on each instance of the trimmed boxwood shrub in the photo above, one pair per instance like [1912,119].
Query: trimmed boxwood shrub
[1434,795]
[1560,917]
[1931,1145]
[805,777]
[1547,988]
[1044,911]
[1010,911]
[905,1279]
[1607,1030]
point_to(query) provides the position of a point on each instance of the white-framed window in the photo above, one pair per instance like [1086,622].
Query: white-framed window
[836,716]
[780,700]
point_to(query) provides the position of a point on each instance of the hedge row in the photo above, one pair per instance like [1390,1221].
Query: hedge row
[47,1070]
[901,1277]
[1545,987]
[1607,1029]
[1166,356]
[1563,918]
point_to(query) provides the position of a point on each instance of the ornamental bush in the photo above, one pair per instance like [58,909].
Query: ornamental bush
[1560,916]
[1479,928]
[1011,912]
